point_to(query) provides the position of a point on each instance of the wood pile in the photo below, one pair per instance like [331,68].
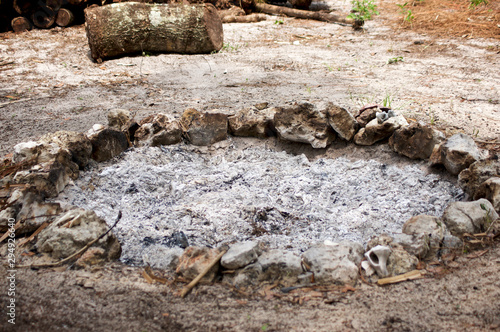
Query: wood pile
[23,15]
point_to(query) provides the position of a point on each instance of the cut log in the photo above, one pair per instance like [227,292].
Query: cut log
[24,7]
[21,24]
[308,15]
[44,17]
[64,17]
[130,28]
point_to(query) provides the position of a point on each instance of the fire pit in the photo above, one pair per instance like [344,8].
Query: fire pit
[178,195]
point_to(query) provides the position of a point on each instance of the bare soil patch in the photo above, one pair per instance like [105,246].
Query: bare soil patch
[48,83]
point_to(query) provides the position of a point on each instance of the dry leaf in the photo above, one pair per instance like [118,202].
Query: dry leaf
[147,277]
[477,254]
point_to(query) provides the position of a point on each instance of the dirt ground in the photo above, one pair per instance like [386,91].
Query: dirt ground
[48,83]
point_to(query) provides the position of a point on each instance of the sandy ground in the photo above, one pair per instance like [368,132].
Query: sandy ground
[451,83]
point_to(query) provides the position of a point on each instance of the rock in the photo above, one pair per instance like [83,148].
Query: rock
[48,179]
[194,260]
[375,131]
[451,244]
[304,123]
[400,261]
[272,266]
[342,122]
[35,212]
[118,118]
[366,115]
[490,190]
[337,263]
[161,257]
[416,141]
[261,106]
[253,122]
[280,265]
[469,217]
[44,153]
[72,231]
[96,128]
[431,227]
[93,256]
[203,129]
[26,151]
[107,144]
[249,276]
[158,129]
[78,145]
[240,255]
[456,153]
[415,244]
[377,257]
[472,178]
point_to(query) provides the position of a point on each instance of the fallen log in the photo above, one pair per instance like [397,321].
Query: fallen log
[21,24]
[133,28]
[251,18]
[64,17]
[308,15]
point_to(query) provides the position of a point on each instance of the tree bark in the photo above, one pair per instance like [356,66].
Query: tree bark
[326,17]
[24,7]
[131,28]
[251,18]
[64,17]
[21,24]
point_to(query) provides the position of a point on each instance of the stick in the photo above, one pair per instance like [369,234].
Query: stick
[81,251]
[308,15]
[193,283]
[415,274]
[252,18]
[14,101]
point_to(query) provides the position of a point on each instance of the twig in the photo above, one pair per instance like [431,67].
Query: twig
[79,252]
[13,101]
[415,274]
[196,280]
[6,63]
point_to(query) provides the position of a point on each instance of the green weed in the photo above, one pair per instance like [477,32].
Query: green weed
[363,10]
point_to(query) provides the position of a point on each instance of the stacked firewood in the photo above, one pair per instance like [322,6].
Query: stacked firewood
[23,15]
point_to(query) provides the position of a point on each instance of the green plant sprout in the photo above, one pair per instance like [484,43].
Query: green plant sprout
[395,60]
[363,10]
[474,3]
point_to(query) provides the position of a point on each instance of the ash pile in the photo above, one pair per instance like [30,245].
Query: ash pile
[178,195]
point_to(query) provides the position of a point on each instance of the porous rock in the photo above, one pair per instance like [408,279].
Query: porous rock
[45,153]
[334,263]
[158,129]
[366,115]
[431,227]
[118,118]
[273,266]
[35,211]
[253,122]
[469,217]
[203,129]
[48,179]
[72,231]
[490,190]
[107,144]
[414,244]
[76,143]
[304,123]
[471,178]
[240,255]
[194,260]
[456,153]
[375,131]
[416,141]
[451,244]
[161,257]
[342,122]
[400,261]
